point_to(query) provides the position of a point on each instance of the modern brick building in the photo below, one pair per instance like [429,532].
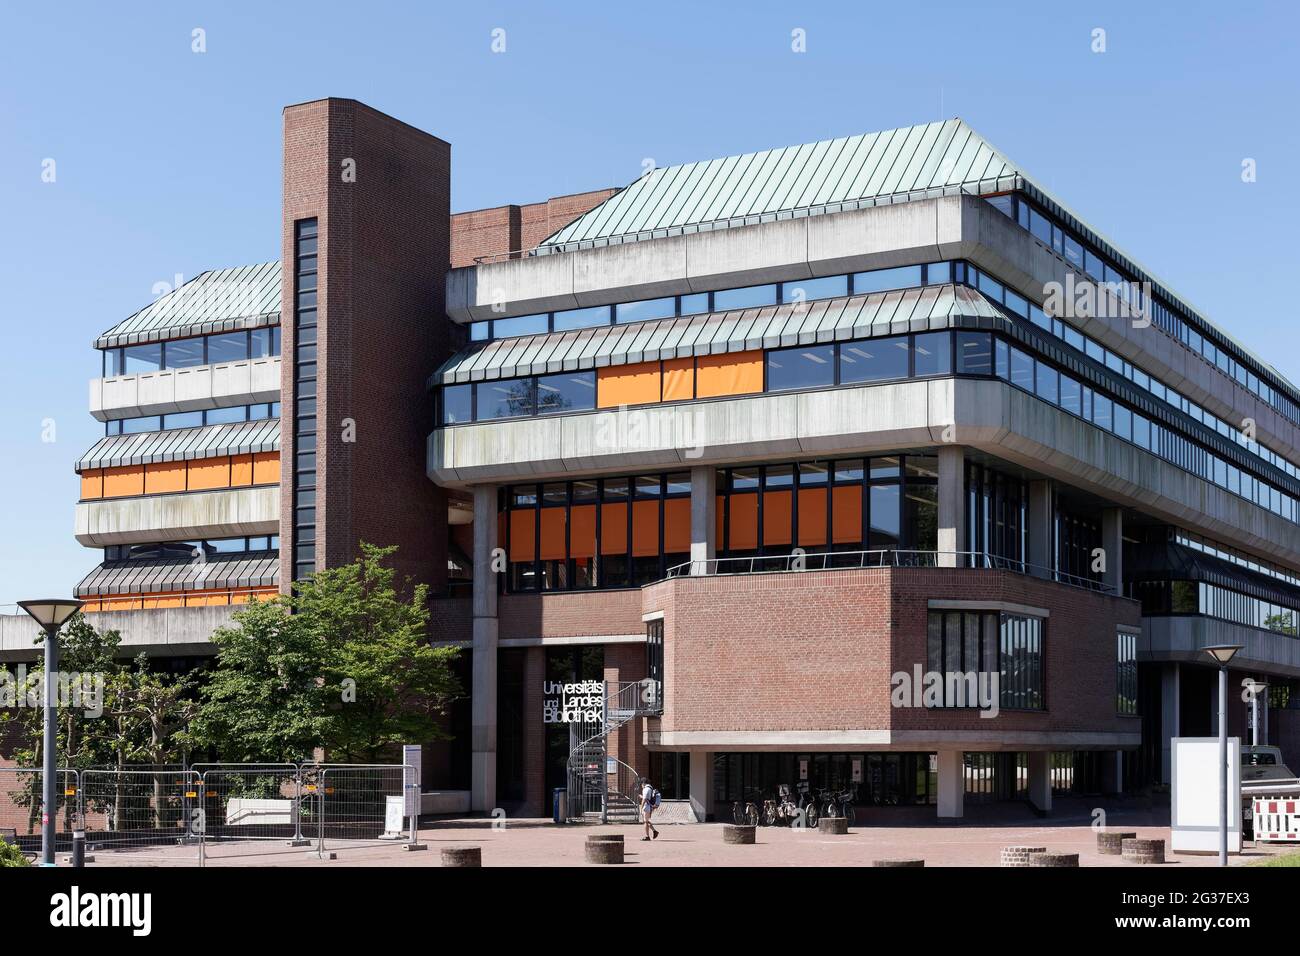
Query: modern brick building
[787,452]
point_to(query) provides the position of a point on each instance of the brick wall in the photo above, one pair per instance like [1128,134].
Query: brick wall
[816,651]
[503,229]
[570,614]
[384,242]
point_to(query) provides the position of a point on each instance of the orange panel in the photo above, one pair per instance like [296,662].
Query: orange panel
[627,385]
[209,473]
[744,523]
[267,594]
[266,468]
[846,508]
[677,525]
[812,517]
[154,601]
[239,597]
[613,529]
[120,482]
[645,528]
[552,546]
[740,373]
[92,484]
[582,531]
[679,379]
[92,607]
[164,477]
[207,600]
[719,504]
[777,515]
[523,534]
[122,604]
[241,471]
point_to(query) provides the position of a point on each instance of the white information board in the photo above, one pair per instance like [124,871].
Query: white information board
[1194,799]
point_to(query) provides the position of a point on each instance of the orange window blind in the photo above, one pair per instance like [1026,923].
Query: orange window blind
[553,546]
[777,516]
[812,517]
[743,531]
[582,531]
[737,373]
[679,379]
[613,529]
[92,483]
[164,477]
[846,508]
[266,468]
[209,473]
[677,525]
[627,385]
[241,471]
[124,481]
[645,528]
[523,535]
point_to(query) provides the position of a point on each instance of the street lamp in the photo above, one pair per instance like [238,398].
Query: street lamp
[50,615]
[1222,654]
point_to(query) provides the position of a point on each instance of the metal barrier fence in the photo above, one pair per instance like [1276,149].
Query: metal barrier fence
[20,808]
[216,811]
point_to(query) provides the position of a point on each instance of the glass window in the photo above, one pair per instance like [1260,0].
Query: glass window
[224,416]
[184,353]
[581,318]
[1102,411]
[566,392]
[990,287]
[1073,253]
[778,476]
[1022,370]
[480,331]
[874,360]
[849,470]
[227,347]
[183,420]
[1001,359]
[810,367]
[938,272]
[746,298]
[805,290]
[134,426]
[645,309]
[1040,226]
[678,483]
[510,398]
[266,341]
[933,353]
[1017,304]
[457,404]
[885,516]
[814,473]
[141,358]
[520,325]
[744,479]
[695,304]
[1071,398]
[1123,422]
[882,280]
[1093,266]
[974,353]
[1046,383]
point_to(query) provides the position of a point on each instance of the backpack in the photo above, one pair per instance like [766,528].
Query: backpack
[655,799]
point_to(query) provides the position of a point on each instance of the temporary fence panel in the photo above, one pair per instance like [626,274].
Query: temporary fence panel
[247,807]
[150,814]
[363,803]
[21,802]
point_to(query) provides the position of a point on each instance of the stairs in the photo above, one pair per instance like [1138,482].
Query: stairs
[604,789]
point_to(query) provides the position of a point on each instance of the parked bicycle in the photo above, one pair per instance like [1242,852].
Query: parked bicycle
[842,803]
[745,813]
[781,809]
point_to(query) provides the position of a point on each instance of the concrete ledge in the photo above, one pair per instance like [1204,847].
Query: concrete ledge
[201,514]
[164,392]
[171,632]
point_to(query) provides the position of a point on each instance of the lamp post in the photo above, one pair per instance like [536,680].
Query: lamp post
[50,615]
[1222,654]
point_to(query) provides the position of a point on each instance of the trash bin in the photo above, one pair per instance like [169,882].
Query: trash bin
[560,804]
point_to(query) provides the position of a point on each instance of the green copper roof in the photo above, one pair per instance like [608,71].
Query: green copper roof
[836,174]
[218,301]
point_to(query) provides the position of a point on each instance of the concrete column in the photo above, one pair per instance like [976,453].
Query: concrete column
[701,784]
[1040,780]
[1112,772]
[1112,543]
[704,518]
[1170,693]
[952,784]
[483,697]
[952,505]
[1041,519]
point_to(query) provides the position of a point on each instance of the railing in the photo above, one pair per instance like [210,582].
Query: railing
[590,788]
[884,558]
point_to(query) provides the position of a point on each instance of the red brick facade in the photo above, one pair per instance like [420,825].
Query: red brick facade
[506,229]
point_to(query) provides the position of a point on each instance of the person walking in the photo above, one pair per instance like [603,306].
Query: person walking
[650,800]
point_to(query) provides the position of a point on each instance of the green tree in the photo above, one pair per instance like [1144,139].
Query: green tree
[344,664]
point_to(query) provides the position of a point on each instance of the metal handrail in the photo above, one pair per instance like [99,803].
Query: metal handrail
[882,558]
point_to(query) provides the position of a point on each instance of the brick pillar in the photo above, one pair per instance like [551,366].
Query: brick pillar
[379,191]
[626,662]
[537,802]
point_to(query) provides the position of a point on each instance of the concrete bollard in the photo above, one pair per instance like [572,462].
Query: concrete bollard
[1110,844]
[1019,855]
[604,848]
[462,856]
[908,863]
[1143,851]
[738,834]
[834,826]
[1053,859]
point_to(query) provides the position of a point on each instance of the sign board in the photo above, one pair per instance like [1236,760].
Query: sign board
[413,757]
[1194,802]
[857,770]
[575,702]
[393,812]
[1277,819]
[803,768]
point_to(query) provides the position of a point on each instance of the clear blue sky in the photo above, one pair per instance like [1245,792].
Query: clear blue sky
[168,161]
